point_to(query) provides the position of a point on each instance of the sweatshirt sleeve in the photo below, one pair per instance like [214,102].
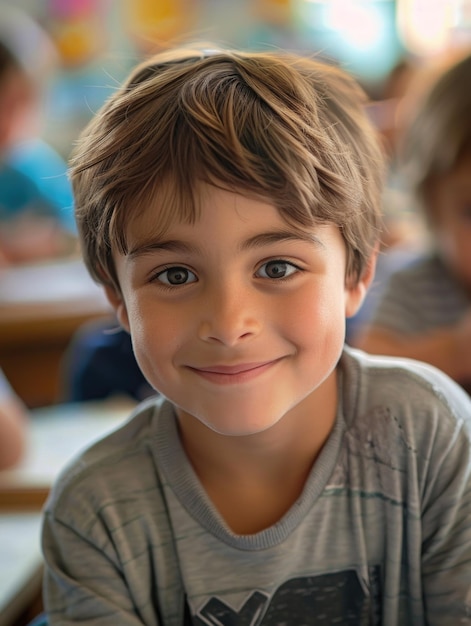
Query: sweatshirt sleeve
[83,582]
[446,524]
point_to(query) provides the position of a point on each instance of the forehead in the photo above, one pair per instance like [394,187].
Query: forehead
[226,222]
[166,210]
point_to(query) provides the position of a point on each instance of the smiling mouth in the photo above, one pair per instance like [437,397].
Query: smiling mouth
[232,374]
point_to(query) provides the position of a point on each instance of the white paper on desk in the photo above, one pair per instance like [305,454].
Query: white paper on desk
[48,282]
[57,434]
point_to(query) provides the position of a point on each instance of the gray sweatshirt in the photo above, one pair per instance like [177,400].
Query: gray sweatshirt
[381,533]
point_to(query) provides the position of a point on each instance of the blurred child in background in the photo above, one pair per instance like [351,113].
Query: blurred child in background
[402,232]
[36,205]
[425,312]
[100,363]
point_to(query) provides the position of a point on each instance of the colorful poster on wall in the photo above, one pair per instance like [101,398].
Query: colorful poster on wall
[78,29]
[154,24]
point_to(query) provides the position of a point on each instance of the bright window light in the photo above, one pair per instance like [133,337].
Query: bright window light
[360,24]
[425,26]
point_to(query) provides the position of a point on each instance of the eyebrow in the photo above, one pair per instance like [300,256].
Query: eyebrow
[257,241]
[170,245]
[277,236]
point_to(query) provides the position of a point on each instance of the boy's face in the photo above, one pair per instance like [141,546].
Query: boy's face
[238,318]
[450,198]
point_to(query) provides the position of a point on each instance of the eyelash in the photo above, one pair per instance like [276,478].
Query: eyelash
[170,286]
[292,265]
[295,269]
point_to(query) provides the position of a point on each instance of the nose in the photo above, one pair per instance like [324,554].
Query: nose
[229,315]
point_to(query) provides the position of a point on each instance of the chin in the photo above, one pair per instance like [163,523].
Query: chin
[237,427]
[250,431]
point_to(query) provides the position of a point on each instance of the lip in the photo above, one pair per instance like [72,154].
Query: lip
[233,374]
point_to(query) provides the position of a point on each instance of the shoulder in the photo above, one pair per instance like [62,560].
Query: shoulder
[119,467]
[418,397]
[407,442]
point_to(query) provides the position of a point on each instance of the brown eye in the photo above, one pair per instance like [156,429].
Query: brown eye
[277,269]
[176,276]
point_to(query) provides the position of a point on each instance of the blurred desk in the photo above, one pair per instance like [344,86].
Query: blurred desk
[56,434]
[41,306]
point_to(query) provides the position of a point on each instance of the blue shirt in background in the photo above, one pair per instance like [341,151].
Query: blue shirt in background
[33,177]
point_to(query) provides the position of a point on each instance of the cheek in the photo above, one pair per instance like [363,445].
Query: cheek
[156,335]
[316,315]
[146,329]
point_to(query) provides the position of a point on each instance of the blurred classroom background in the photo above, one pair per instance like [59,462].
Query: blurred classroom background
[97,41]
[78,52]
[74,54]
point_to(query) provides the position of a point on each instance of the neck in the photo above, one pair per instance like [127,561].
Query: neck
[262,473]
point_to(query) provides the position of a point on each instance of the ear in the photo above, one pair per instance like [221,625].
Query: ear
[116,300]
[356,291]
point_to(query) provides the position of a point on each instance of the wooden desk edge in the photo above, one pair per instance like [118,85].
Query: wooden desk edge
[23,499]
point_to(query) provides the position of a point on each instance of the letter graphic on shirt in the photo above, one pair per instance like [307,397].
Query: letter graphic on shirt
[325,600]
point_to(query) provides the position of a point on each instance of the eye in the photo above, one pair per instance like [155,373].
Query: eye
[277,269]
[176,276]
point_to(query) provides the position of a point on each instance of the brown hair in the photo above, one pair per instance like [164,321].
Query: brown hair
[277,126]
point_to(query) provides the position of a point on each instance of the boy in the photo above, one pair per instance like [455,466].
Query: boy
[228,202]
[425,311]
